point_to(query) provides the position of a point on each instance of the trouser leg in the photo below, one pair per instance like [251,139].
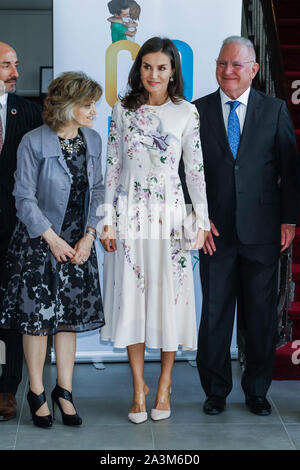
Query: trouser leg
[259,295]
[219,284]
[12,370]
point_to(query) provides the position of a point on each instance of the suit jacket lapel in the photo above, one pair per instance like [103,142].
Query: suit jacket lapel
[12,117]
[215,116]
[250,124]
[216,120]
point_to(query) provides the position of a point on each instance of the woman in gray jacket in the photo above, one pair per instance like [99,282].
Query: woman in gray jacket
[52,285]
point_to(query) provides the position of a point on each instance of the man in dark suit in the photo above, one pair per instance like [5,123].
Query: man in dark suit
[249,154]
[17,117]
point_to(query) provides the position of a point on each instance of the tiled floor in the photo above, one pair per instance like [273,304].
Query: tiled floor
[103,399]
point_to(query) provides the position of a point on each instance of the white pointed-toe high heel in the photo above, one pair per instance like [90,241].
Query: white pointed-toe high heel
[141,416]
[138,418]
[158,415]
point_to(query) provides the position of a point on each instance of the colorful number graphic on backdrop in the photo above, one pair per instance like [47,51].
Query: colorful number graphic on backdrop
[111,67]
[187,67]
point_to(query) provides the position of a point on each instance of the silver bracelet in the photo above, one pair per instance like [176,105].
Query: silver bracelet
[91,232]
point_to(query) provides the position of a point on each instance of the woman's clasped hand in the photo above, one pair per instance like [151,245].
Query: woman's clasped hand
[63,252]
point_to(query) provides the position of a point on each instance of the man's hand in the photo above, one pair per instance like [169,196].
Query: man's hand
[287,235]
[209,245]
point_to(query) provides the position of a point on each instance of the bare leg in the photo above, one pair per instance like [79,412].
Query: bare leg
[35,348]
[136,354]
[162,401]
[65,349]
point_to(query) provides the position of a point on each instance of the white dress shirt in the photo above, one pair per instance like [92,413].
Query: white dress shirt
[3,112]
[240,111]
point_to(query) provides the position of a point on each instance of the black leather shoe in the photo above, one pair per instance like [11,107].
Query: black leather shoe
[258,405]
[8,406]
[214,405]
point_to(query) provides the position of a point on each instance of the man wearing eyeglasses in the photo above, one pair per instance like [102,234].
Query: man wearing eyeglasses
[249,154]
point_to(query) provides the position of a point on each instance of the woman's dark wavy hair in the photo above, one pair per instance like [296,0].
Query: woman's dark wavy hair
[116,6]
[137,95]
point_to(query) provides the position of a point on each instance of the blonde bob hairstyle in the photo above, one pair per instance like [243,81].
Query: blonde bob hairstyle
[68,90]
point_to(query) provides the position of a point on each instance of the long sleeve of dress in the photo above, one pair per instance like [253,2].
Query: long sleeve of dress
[113,163]
[194,169]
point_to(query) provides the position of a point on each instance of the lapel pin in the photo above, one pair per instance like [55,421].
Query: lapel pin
[13,111]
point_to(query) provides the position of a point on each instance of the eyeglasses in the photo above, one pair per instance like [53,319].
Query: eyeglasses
[235,65]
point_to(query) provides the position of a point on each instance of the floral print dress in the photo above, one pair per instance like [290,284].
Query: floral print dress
[41,296]
[148,281]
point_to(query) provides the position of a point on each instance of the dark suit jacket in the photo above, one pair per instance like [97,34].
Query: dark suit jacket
[245,198]
[22,117]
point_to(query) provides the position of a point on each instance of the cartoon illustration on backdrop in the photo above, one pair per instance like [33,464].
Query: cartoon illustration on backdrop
[124,19]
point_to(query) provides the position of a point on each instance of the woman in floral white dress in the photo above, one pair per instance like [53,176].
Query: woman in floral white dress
[149,291]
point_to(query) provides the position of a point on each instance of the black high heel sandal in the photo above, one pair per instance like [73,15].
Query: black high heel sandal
[69,420]
[35,402]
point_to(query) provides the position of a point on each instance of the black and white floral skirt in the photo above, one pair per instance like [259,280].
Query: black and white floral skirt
[43,297]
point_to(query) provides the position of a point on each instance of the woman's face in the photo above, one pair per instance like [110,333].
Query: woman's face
[156,70]
[84,114]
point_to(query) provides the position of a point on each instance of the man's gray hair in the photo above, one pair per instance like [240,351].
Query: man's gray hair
[243,42]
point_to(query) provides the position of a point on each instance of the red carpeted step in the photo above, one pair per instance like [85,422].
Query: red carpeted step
[283,8]
[292,77]
[289,30]
[296,255]
[296,331]
[294,314]
[296,272]
[296,241]
[291,56]
[296,252]
[297,132]
[296,246]
[294,311]
[297,292]
[287,361]
[295,110]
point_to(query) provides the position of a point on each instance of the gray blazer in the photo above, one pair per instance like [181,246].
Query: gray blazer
[43,181]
